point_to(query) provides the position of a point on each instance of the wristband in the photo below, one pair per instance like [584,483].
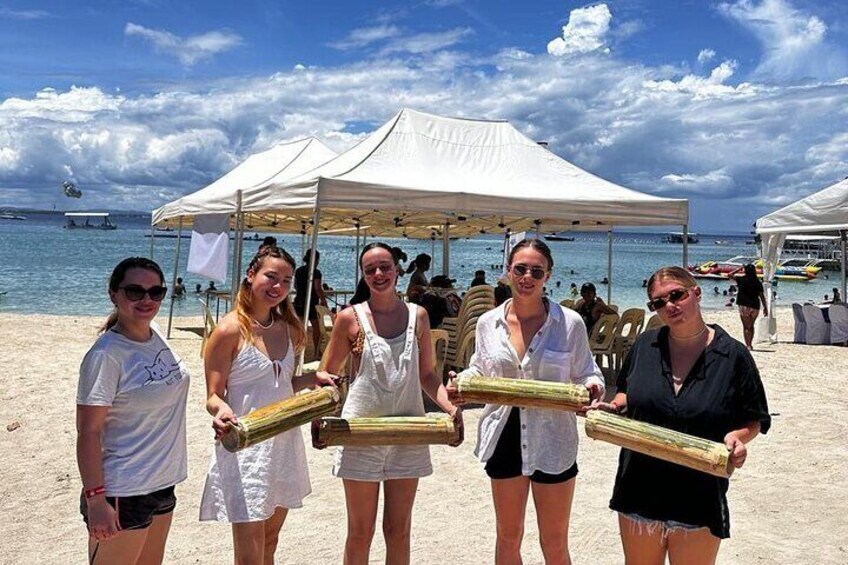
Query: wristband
[96,491]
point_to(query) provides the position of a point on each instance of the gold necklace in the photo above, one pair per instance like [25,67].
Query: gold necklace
[699,333]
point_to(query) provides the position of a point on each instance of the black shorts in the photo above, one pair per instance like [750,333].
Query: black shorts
[313,312]
[137,512]
[506,461]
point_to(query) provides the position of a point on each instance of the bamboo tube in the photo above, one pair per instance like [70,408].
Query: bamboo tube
[268,421]
[669,445]
[397,430]
[521,392]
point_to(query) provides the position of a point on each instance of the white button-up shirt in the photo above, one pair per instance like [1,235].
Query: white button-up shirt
[558,352]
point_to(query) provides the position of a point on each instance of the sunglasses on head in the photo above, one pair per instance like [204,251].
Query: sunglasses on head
[136,292]
[674,297]
[370,270]
[537,273]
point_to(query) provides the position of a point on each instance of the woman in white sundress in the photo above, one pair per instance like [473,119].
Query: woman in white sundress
[249,363]
[390,344]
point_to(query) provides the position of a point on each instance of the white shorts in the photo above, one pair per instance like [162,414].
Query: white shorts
[375,463]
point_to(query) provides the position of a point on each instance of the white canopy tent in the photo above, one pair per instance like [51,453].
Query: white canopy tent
[823,211]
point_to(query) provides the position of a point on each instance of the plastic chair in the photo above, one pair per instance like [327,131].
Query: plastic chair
[838,324]
[602,339]
[800,324]
[654,322]
[818,331]
[567,303]
[324,328]
[632,320]
[209,324]
[439,342]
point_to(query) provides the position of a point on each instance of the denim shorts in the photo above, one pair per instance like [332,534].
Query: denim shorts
[667,526]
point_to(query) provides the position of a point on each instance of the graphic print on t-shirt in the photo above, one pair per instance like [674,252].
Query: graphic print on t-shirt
[164,368]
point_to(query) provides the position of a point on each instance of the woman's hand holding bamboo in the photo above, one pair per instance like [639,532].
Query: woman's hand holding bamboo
[737,448]
[453,392]
[323,378]
[222,420]
[459,424]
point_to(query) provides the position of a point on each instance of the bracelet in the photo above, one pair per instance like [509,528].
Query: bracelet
[96,491]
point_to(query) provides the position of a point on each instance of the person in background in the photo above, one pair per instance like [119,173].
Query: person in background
[573,292]
[211,287]
[694,378]
[479,279]
[418,281]
[716,291]
[301,284]
[530,449]
[837,298]
[503,291]
[131,424]
[249,362]
[269,241]
[749,297]
[590,306]
[179,288]
[198,288]
[390,345]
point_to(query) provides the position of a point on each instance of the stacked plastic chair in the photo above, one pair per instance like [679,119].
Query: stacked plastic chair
[818,330]
[478,300]
[602,340]
[838,314]
[654,322]
[631,320]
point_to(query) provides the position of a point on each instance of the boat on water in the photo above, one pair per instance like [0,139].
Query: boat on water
[723,270]
[11,216]
[677,237]
[557,237]
[83,221]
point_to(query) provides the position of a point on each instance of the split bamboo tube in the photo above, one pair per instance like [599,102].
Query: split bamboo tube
[396,430]
[268,421]
[521,392]
[675,447]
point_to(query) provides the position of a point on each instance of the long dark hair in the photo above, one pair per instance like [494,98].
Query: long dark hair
[422,261]
[118,275]
[283,311]
[536,244]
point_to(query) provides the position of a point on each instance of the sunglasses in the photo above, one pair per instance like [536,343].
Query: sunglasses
[674,297]
[537,273]
[370,270]
[136,292]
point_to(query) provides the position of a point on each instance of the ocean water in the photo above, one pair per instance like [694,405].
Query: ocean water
[47,269]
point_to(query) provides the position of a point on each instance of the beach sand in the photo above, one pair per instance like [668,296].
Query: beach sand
[788,504]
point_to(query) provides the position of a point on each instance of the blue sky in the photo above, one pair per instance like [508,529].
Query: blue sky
[740,106]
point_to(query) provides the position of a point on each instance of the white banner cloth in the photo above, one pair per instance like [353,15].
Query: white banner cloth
[209,251]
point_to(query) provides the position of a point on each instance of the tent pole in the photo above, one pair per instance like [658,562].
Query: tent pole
[152,234]
[446,250]
[609,266]
[236,271]
[842,236]
[356,260]
[685,245]
[315,219]
[174,278]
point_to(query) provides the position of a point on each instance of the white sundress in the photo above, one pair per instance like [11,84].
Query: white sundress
[387,385]
[249,485]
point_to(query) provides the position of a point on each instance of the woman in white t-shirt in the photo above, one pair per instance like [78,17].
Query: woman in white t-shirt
[250,361]
[131,428]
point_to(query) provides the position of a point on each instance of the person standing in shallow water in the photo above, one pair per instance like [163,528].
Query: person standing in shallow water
[249,362]
[390,345]
[750,296]
[693,378]
[530,449]
[131,428]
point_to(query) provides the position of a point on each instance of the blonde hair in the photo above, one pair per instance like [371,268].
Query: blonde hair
[283,311]
[678,274]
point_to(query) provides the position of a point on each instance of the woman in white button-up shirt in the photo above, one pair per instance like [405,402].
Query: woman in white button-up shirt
[529,337]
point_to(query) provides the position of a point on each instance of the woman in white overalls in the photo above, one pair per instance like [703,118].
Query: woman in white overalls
[393,361]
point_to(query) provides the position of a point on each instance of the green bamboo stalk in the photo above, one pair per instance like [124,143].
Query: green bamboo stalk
[669,445]
[269,421]
[393,430]
[522,392]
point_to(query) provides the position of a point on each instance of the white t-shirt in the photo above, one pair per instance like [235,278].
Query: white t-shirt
[145,384]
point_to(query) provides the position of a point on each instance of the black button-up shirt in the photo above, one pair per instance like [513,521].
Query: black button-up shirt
[723,392]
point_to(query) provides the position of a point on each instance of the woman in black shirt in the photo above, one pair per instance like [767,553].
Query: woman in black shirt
[748,299]
[695,379]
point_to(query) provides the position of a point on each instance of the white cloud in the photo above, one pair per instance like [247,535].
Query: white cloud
[585,32]
[365,36]
[10,14]
[426,42]
[189,50]
[705,56]
[659,129]
[794,42]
